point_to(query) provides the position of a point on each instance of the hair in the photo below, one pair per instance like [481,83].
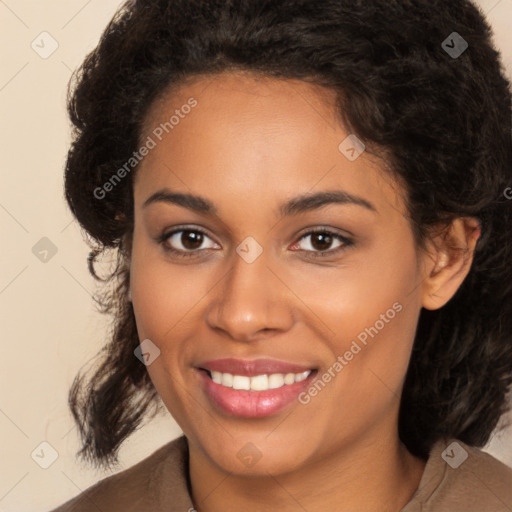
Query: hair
[444,124]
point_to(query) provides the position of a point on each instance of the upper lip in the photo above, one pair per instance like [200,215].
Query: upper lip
[250,368]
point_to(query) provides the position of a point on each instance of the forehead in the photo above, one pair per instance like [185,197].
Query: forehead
[240,91]
[247,134]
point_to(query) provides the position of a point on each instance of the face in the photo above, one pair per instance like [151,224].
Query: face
[262,280]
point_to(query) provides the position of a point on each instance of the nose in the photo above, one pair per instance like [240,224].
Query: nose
[250,301]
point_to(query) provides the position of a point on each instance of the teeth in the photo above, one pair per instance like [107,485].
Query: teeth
[227,380]
[302,376]
[289,378]
[258,382]
[241,382]
[217,378]
[276,380]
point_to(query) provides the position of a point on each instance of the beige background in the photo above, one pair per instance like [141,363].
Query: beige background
[49,325]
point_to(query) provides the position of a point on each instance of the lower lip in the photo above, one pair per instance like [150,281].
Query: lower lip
[252,404]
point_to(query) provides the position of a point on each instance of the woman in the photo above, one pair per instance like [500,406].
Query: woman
[308,204]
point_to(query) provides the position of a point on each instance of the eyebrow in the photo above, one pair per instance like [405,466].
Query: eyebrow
[294,206]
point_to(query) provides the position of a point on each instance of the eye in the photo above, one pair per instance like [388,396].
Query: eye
[185,242]
[188,242]
[321,241]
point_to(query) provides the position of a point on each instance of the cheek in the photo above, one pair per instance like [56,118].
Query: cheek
[370,385]
[163,298]
[163,294]
[368,312]
[353,295]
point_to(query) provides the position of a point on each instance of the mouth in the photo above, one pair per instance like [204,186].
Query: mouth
[253,389]
[262,382]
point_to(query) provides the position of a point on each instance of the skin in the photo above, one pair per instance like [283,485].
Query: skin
[248,146]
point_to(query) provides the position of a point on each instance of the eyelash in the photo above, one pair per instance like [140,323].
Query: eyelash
[346,242]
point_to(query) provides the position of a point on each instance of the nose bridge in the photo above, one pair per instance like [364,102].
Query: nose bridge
[249,299]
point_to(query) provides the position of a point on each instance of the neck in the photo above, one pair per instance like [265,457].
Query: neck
[376,475]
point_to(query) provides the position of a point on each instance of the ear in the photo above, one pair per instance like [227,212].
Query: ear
[448,261]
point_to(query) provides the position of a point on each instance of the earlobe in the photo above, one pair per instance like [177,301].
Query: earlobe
[450,261]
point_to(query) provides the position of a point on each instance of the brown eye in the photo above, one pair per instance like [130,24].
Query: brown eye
[191,239]
[321,242]
[185,242]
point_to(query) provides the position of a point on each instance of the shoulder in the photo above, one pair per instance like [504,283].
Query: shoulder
[459,477]
[139,487]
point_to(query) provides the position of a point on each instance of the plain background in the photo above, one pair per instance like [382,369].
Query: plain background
[50,327]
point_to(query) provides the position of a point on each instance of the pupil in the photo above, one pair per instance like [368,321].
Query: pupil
[325,241]
[191,239]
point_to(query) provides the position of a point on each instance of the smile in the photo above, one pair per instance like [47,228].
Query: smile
[258,382]
[252,389]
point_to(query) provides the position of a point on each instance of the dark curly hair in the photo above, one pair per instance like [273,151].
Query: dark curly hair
[442,124]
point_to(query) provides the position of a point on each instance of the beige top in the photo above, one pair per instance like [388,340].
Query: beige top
[457,478]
